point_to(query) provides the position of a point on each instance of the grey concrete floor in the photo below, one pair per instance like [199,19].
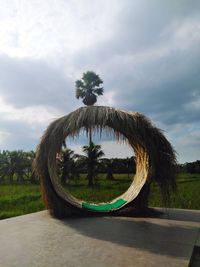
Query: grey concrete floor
[38,240]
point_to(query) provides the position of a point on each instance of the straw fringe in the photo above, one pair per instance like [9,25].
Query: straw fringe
[156,158]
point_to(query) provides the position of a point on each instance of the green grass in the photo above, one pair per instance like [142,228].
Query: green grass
[25,198]
[19,199]
[187,195]
[102,191]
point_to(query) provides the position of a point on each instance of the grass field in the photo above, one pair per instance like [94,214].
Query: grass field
[19,199]
[103,190]
[187,195]
[25,198]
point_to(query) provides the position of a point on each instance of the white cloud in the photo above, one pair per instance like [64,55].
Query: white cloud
[21,128]
[3,137]
[29,115]
[111,149]
[45,28]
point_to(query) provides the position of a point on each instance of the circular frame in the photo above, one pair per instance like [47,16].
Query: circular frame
[152,151]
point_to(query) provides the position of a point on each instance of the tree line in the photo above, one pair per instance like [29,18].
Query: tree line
[16,166]
[190,167]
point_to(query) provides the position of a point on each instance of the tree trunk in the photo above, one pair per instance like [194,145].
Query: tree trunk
[11,177]
[109,175]
[90,176]
[90,137]
[90,167]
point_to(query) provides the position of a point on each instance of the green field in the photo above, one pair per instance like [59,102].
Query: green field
[19,199]
[25,198]
[103,190]
[187,195]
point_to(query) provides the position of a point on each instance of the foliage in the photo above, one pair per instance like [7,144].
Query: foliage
[190,167]
[88,88]
[67,165]
[118,165]
[16,165]
[110,164]
[93,153]
[193,167]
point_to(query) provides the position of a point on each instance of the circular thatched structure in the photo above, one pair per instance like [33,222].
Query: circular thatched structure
[155,159]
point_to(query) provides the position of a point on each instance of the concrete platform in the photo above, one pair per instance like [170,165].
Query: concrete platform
[38,240]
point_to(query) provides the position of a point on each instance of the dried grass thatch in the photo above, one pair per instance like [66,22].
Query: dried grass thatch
[155,156]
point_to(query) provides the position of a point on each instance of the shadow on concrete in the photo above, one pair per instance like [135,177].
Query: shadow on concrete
[156,237]
[179,215]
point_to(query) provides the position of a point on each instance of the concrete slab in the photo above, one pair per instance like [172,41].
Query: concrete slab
[38,240]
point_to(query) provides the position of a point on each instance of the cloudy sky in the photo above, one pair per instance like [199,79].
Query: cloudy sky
[146,51]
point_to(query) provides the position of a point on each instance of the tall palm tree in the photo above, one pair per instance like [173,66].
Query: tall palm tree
[93,153]
[88,88]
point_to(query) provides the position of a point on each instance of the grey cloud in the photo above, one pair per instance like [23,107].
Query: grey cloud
[26,82]
[18,135]
[138,26]
[17,142]
[141,23]
[161,85]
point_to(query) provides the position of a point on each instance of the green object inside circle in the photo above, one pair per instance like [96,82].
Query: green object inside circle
[104,207]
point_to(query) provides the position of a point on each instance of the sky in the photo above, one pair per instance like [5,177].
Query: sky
[147,52]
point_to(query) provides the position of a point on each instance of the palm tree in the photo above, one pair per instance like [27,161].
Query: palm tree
[93,153]
[67,165]
[131,165]
[30,174]
[28,160]
[88,88]
[109,165]
[13,164]
[3,165]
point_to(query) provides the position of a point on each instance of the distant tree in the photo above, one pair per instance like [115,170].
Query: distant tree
[93,153]
[190,167]
[28,160]
[131,165]
[193,167]
[67,165]
[197,166]
[13,165]
[3,166]
[109,165]
[30,174]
